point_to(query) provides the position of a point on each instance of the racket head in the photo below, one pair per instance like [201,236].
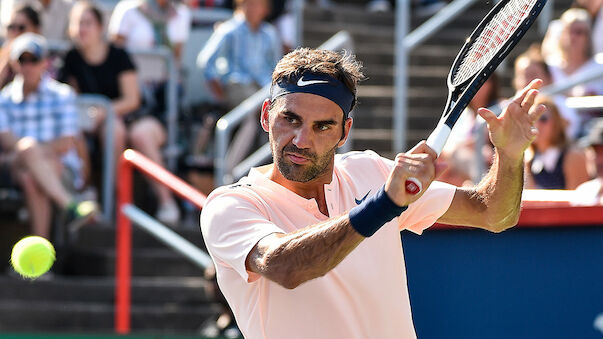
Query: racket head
[499,31]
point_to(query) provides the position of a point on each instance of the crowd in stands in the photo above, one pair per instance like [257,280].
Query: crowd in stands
[566,151]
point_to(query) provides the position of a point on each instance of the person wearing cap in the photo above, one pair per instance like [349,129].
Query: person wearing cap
[591,192]
[39,125]
[309,246]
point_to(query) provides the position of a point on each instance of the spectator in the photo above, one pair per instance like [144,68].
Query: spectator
[38,120]
[148,23]
[573,52]
[551,161]
[238,60]
[595,8]
[24,19]
[530,65]
[96,66]
[591,192]
[54,15]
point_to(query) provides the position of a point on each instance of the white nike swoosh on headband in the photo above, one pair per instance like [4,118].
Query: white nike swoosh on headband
[301,82]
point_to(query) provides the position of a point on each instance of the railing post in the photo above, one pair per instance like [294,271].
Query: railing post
[123,248]
[401,79]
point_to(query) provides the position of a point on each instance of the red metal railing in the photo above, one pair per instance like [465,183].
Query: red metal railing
[129,160]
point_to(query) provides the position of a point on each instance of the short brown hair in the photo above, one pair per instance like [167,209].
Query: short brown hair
[341,66]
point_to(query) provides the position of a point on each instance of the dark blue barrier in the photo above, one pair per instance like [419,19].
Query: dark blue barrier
[522,283]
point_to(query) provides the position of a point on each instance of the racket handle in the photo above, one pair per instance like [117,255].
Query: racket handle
[413,186]
[436,141]
[437,138]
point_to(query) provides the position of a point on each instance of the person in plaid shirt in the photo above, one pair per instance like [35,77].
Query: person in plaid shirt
[38,126]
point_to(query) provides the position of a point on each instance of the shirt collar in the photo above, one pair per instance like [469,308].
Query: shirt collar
[16,89]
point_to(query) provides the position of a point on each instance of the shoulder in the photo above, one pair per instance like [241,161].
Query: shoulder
[230,26]
[363,163]
[59,89]
[269,28]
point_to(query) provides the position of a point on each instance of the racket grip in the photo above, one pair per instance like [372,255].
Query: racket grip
[437,138]
[413,186]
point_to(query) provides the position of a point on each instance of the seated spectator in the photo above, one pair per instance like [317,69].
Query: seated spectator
[23,19]
[573,51]
[459,152]
[238,60]
[551,161]
[39,123]
[530,65]
[591,192]
[595,8]
[148,23]
[98,67]
[54,15]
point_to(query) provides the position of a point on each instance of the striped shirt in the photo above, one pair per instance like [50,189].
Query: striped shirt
[236,54]
[44,115]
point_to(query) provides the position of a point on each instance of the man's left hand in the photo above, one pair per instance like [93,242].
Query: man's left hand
[513,131]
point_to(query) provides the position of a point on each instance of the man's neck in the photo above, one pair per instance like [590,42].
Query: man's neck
[254,26]
[31,87]
[313,189]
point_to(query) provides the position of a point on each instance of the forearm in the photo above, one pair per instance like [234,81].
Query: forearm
[500,192]
[294,258]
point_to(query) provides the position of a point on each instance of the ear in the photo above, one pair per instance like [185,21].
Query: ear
[346,131]
[264,116]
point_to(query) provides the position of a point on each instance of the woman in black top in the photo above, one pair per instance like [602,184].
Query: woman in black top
[97,67]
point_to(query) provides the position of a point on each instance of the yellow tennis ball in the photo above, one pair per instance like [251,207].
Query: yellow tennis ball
[32,256]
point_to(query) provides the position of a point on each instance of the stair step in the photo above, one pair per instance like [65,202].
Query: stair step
[158,290]
[98,318]
[145,262]
[100,235]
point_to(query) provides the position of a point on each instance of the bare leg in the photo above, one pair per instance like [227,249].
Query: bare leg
[38,205]
[30,156]
[147,135]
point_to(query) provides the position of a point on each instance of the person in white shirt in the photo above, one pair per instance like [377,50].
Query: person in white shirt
[144,24]
[595,8]
[54,15]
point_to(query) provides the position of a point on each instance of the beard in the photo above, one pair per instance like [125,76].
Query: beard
[318,165]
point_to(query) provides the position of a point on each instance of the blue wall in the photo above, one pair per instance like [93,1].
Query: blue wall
[522,283]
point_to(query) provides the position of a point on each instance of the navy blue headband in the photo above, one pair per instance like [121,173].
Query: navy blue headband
[319,84]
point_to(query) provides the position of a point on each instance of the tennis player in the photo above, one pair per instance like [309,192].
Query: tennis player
[309,246]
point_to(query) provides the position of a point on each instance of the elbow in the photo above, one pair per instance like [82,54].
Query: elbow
[502,224]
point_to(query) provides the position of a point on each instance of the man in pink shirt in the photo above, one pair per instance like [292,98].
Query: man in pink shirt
[309,247]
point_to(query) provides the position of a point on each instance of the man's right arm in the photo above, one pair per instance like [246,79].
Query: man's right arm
[294,258]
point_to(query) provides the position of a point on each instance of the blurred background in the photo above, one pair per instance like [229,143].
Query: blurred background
[180,83]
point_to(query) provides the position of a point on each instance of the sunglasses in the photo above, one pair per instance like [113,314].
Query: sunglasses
[543,118]
[16,27]
[28,60]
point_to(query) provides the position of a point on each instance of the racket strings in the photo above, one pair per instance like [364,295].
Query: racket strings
[492,38]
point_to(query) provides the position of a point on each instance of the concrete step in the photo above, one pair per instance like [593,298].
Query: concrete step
[104,236]
[78,317]
[145,290]
[100,261]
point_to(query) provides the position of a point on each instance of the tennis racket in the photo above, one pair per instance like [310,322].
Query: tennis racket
[491,41]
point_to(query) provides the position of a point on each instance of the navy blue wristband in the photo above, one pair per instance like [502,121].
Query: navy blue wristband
[373,213]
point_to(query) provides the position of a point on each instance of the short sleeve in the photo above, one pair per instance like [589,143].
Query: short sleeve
[69,124]
[231,226]
[123,62]
[424,212]
[67,69]
[178,28]
[120,22]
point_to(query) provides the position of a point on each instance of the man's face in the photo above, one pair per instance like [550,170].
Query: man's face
[256,10]
[30,66]
[305,131]
[526,71]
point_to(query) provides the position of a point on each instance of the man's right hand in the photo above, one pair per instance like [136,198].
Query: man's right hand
[420,163]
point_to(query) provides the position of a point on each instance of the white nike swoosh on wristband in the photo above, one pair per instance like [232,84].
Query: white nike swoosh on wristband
[301,82]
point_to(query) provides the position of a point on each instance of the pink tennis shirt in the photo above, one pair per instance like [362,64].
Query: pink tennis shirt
[365,296]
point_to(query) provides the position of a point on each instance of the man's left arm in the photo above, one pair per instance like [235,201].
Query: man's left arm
[494,204]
